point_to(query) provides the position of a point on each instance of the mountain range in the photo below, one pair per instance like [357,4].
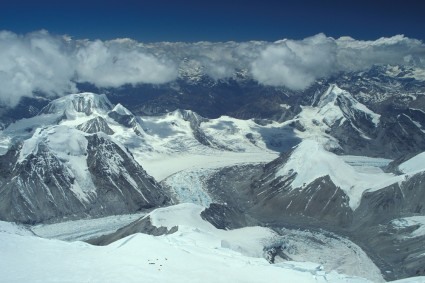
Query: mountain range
[342,160]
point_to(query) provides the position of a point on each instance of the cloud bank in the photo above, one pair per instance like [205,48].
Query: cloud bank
[53,65]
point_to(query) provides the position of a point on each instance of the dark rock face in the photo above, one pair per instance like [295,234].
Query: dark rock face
[394,201]
[321,200]
[129,121]
[195,122]
[96,125]
[39,188]
[225,217]
[122,183]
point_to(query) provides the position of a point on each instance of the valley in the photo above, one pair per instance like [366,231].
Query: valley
[266,194]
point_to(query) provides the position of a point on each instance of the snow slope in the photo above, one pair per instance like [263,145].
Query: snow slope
[414,164]
[84,229]
[197,250]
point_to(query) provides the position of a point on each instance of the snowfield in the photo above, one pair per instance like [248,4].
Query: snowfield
[197,251]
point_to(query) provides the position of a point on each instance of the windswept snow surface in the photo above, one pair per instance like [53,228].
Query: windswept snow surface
[414,164]
[310,161]
[364,164]
[197,251]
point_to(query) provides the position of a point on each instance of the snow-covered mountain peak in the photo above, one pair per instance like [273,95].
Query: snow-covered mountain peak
[337,104]
[188,115]
[310,161]
[120,109]
[333,111]
[73,104]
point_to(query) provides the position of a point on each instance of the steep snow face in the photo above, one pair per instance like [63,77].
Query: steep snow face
[87,103]
[413,165]
[310,161]
[185,256]
[121,110]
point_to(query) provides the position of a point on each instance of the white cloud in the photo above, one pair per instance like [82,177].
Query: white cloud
[111,65]
[49,64]
[296,64]
[52,65]
[36,62]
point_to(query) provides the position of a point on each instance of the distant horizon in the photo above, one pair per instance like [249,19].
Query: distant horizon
[218,21]
[76,38]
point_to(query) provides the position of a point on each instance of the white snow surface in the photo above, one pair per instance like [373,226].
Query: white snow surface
[84,229]
[197,251]
[14,229]
[310,161]
[413,165]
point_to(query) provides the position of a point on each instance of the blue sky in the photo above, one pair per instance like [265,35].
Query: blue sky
[219,20]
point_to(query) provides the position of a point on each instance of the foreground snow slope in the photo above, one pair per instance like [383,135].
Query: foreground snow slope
[197,251]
